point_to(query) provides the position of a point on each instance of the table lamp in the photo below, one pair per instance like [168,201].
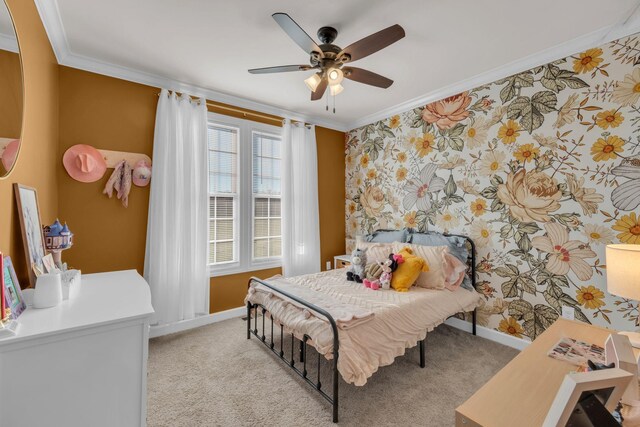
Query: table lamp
[623,277]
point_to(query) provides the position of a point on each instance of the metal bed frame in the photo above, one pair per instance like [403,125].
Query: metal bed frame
[302,351]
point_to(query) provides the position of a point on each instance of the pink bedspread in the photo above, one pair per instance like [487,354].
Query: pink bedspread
[375,326]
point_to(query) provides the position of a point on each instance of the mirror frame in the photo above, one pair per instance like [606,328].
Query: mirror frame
[24,98]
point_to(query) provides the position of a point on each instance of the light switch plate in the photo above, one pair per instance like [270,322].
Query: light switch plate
[328,265]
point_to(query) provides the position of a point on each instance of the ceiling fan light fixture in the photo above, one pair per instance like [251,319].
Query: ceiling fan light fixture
[336,89]
[335,76]
[313,82]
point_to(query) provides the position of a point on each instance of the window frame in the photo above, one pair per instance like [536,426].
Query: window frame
[245,197]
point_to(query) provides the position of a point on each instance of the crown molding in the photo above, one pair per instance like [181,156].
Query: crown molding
[630,24]
[50,15]
[9,43]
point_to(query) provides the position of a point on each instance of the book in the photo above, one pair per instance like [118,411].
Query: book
[577,352]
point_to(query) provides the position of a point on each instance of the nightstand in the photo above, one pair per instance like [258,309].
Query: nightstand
[341,261]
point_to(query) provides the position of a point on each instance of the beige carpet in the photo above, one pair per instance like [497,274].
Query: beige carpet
[214,376]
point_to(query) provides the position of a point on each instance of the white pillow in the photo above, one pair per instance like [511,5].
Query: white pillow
[376,252]
[436,277]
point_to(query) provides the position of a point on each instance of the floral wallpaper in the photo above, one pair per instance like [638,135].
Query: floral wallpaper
[541,169]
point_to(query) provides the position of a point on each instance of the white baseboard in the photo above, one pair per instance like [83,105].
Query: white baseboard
[490,334]
[160,330]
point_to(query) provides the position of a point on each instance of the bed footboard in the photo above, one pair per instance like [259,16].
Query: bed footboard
[291,362]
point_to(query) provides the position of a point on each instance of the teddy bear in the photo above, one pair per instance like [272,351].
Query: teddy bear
[388,267]
[358,262]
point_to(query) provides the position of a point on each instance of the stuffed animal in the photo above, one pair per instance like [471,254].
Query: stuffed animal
[373,271]
[388,267]
[371,284]
[358,262]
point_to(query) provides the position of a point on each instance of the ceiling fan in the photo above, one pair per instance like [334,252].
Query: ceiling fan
[330,59]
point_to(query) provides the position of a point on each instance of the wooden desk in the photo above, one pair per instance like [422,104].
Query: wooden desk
[522,392]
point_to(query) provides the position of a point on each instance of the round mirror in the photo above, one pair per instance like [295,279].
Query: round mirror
[11,93]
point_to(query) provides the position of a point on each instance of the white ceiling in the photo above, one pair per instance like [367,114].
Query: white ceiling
[210,44]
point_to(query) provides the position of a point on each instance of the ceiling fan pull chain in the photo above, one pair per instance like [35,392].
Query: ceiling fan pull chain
[327,106]
[334,104]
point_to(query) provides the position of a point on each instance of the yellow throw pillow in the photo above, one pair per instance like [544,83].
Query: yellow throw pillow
[408,271]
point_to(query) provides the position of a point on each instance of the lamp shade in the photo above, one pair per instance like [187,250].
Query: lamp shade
[313,82]
[623,270]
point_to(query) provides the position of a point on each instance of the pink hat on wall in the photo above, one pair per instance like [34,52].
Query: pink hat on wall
[84,163]
[10,153]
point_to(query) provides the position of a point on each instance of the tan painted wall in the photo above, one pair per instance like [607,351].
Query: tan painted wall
[119,115]
[36,165]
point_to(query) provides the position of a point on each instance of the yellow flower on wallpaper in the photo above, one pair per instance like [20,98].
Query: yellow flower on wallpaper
[509,132]
[590,297]
[603,150]
[526,153]
[364,160]
[394,121]
[402,157]
[511,326]
[479,207]
[348,161]
[372,174]
[627,92]
[410,219]
[424,144]
[609,118]
[351,207]
[587,60]
[401,173]
[629,228]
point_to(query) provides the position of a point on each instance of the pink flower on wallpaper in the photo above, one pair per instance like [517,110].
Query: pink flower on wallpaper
[564,254]
[447,112]
[418,191]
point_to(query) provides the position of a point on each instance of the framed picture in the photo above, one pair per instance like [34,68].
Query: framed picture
[32,236]
[12,292]
[605,386]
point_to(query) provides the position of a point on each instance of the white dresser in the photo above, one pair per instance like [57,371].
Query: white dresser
[83,362]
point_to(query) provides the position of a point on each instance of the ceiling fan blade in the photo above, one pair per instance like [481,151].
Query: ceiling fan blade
[322,87]
[298,35]
[374,42]
[366,77]
[280,69]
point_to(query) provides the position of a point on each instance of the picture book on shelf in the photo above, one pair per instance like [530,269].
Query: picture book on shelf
[577,352]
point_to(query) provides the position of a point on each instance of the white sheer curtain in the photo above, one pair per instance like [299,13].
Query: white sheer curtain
[177,230]
[300,223]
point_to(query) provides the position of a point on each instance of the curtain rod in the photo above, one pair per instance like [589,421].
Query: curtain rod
[249,113]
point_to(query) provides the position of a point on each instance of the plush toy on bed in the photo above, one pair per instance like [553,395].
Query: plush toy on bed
[372,273]
[358,262]
[388,267]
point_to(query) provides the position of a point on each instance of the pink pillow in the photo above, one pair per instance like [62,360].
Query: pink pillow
[454,272]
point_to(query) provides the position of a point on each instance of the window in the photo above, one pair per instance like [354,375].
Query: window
[244,195]
[223,193]
[267,236]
